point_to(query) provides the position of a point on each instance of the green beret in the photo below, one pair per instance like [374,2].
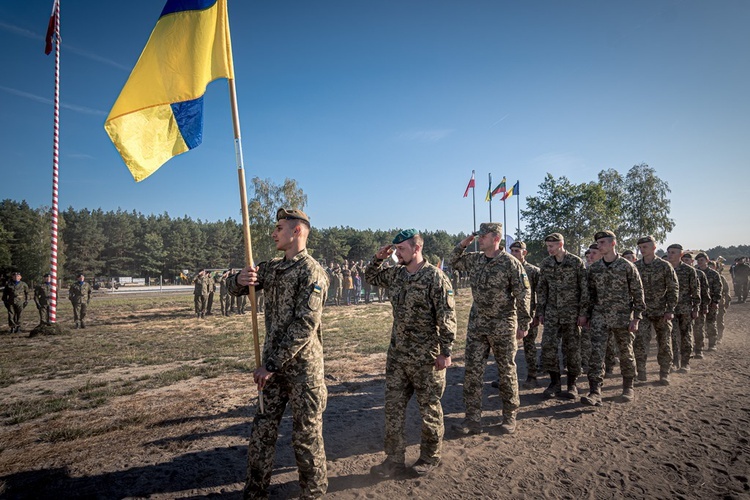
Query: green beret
[404,235]
[675,245]
[604,234]
[554,237]
[628,252]
[283,213]
[490,227]
[518,244]
[593,246]
[701,255]
[687,256]
[645,239]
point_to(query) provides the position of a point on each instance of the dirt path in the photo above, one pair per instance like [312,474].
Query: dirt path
[188,440]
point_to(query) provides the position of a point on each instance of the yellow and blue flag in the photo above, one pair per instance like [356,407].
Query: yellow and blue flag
[159,113]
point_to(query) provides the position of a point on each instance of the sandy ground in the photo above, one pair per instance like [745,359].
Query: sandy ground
[188,440]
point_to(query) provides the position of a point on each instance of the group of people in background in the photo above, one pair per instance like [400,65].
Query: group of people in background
[17,294]
[206,282]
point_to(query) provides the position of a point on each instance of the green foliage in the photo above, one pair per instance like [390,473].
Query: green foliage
[266,200]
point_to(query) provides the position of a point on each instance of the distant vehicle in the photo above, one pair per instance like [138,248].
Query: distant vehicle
[106,283]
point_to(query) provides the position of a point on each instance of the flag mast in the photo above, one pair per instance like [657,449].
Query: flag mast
[55,167]
[489,195]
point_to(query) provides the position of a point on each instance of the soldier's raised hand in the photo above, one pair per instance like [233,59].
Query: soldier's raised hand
[384,252]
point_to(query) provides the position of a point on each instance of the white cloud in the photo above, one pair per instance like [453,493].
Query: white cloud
[44,100]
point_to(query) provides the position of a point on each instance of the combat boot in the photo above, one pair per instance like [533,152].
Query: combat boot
[628,393]
[467,428]
[76,326]
[664,378]
[555,388]
[509,423]
[595,395]
[642,375]
[83,325]
[530,383]
[389,468]
[572,392]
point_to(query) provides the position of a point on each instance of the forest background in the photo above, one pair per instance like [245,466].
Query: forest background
[123,243]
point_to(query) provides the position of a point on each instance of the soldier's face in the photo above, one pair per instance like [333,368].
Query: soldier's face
[687,260]
[647,249]
[283,234]
[553,247]
[486,241]
[405,252]
[702,262]
[16,276]
[674,255]
[605,245]
[518,253]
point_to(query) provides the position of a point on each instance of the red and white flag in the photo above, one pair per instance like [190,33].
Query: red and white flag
[51,29]
[471,185]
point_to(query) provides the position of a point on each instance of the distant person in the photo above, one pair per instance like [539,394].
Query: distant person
[15,297]
[612,305]
[42,299]
[699,324]
[424,328]
[224,294]
[629,255]
[688,305]
[292,368]
[715,294]
[211,291]
[726,301]
[742,280]
[661,291]
[200,294]
[79,295]
[499,317]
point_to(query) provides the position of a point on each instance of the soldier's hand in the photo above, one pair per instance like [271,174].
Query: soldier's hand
[261,376]
[248,276]
[540,319]
[583,321]
[668,316]
[534,322]
[694,314]
[713,307]
[633,327]
[520,334]
[442,362]
[384,252]
[467,241]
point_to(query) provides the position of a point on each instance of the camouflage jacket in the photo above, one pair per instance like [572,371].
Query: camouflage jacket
[714,285]
[15,293]
[500,288]
[294,291]
[689,299]
[703,288]
[80,292]
[726,296]
[533,273]
[42,294]
[560,288]
[201,285]
[660,287]
[614,293]
[424,317]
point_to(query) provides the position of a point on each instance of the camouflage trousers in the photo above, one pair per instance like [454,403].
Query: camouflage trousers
[699,333]
[585,347]
[720,321]
[199,301]
[570,335]
[529,351]
[224,301]
[308,403]
[641,345]
[43,315]
[600,334]
[79,310]
[402,380]
[613,352]
[682,339]
[14,314]
[711,327]
[478,346]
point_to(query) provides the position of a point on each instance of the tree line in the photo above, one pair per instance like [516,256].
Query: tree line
[122,243]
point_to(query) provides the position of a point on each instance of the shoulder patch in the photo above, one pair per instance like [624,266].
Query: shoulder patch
[525,279]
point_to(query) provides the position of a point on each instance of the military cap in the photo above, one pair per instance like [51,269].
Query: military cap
[587,252]
[518,244]
[593,246]
[675,245]
[628,252]
[687,256]
[490,227]
[604,234]
[554,237]
[45,275]
[645,239]
[404,235]
[283,213]
[701,254]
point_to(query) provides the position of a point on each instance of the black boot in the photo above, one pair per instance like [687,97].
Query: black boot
[554,388]
[595,395]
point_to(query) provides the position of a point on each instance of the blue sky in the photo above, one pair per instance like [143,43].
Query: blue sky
[381,109]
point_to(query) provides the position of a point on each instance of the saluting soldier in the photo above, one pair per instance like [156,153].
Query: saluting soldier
[80,296]
[200,294]
[15,297]
[424,328]
[292,372]
[42,298]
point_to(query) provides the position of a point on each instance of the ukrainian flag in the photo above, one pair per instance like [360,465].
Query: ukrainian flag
[159,113]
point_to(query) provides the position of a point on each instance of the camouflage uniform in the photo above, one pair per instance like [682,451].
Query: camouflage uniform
[80,296]
[687,303]
[15,298]
[424,326]
[42,298]
[224,296]
[200,295]
[501,290]
[715,296]
[726,300]
[660,290]
[529,341]
[295,292]
[211,291]
[613,297]
[699,326]
[559,293]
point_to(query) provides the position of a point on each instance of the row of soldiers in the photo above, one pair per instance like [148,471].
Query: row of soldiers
[16,296]
[206,282]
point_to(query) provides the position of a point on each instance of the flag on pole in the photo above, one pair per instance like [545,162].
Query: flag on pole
[470,185]
[500,188]
[512,191]
[51,29]
[159,113]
